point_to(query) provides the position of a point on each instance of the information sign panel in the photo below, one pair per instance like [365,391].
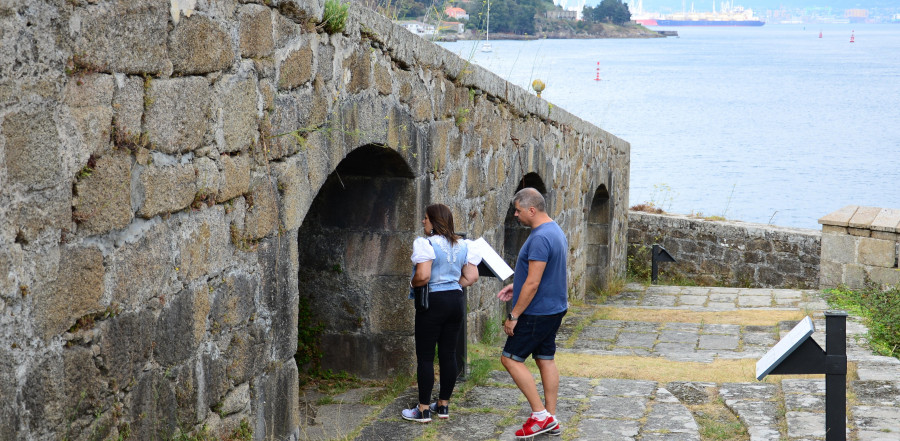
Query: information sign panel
[784,347]
[491,259]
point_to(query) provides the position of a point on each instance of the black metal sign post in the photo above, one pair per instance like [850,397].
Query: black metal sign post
[798,353]
[658,254]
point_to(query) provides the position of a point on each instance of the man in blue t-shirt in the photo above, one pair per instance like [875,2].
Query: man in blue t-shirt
[538,295]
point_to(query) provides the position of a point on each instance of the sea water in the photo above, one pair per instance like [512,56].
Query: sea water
[769,125]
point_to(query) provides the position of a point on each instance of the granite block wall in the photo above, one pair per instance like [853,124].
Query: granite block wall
[726,253]
[167,171]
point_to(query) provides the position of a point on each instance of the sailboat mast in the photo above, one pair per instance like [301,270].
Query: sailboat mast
[487,29]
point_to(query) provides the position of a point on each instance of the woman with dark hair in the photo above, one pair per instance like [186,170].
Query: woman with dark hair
[445,263]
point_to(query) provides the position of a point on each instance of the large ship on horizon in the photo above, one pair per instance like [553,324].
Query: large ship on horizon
[729,15]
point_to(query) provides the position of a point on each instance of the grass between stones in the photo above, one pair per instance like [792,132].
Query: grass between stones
[739,317]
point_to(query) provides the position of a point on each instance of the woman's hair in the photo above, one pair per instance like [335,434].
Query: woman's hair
[441,221]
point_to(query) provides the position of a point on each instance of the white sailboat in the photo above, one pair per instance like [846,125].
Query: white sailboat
[486,47]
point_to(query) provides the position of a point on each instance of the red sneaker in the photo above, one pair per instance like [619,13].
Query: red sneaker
[534,427]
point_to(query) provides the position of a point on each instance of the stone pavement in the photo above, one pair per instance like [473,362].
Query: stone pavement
[635,409]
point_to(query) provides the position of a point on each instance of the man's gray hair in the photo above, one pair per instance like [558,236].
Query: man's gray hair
[529,197]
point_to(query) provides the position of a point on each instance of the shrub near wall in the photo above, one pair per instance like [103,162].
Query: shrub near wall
[724,253]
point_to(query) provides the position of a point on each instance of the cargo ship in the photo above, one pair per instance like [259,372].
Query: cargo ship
[729,16]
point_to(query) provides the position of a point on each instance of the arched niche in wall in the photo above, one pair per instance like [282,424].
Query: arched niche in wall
[354,247]
[598,239]
[514,234]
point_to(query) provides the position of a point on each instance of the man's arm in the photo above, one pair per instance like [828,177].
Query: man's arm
[529,288]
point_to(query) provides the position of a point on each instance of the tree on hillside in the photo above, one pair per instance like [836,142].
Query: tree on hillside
[510,16]
[608,11]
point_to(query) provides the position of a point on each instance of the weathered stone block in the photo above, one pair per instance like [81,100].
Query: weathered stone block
[128,105]
[42,393]
[104,194]
[216,381]
[79,286]
[177,113]
[180,326]
[89,90]
[43,210]
[302,11]
[838,248]
[854,276]
[205,244]
[863,217]
[859,232]
[9,415]
[279,292]
[235,177]
[369,356]
[232,302]
[126,342]
[154,406]
[94,125]
[297,68]
[83,382]
[262,208]
[33,148]
[255,31]
[247,353]
[883,235]
[359,65]
[326,62]
[127,37]
[167,189]
[238,107]
[207,182]
[199,45]
[143,268]
[885,276]
[275,400]
[834,229]
[382,74]
[296,197]
[876,252]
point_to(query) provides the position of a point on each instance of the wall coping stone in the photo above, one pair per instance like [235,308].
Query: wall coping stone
[871,218]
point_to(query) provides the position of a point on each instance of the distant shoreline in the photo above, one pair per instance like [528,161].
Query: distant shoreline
[609,31]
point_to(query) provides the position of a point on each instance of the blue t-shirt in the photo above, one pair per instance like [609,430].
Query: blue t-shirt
[546,243]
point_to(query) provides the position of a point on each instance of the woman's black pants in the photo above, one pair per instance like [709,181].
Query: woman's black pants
[438,326]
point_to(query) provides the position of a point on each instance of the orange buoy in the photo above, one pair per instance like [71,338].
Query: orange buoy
[851,36]
[598,72]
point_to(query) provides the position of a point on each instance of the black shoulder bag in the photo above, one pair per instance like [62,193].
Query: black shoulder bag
[420,293]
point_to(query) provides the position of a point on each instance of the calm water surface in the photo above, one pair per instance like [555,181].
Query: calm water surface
[769,125]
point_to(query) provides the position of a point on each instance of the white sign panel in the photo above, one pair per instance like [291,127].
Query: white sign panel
[490,258]
[784,347]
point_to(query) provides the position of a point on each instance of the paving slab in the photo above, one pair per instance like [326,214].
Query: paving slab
[805,424]
[606,429]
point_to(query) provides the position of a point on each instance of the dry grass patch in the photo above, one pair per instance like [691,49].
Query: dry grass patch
[628,367]
[718,423]
[741,317]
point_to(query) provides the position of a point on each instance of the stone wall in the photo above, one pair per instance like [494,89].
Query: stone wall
[726,253]
[176,176]
[860,245]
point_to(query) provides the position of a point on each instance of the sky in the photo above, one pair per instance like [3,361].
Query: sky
[760,5]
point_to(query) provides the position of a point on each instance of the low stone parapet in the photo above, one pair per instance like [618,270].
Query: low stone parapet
[726,253]
[860,245]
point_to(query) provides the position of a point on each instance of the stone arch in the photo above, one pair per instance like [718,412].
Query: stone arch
[598,239]
[514,234]
[352,255]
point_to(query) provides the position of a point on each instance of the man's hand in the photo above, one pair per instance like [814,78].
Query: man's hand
[509,326]
[506,294]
